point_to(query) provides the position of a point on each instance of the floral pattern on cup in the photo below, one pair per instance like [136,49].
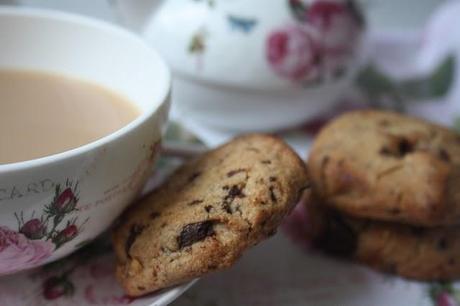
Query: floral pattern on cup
[241,24]
[292,53]
[87,276]
[37,238]
[197,46]
[319,44]
[339,26]
[18,252]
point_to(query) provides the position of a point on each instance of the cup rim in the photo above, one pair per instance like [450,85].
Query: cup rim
[122,33]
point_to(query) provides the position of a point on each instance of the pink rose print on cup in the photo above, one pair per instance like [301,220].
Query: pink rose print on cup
[33,229]
[320,44]
[292,53]
[37,238]
[299,9]
[64,202]
[67,234]
[339,25]
[18,252]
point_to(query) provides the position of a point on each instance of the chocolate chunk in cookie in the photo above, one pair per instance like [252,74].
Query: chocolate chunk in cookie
[194,232]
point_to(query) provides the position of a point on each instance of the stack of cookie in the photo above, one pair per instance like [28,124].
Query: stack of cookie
[387,191]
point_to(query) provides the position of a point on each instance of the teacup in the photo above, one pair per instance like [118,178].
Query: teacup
[51,206]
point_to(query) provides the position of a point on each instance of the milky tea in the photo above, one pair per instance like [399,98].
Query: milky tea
[43,114]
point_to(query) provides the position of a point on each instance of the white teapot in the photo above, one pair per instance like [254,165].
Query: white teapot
[252,65]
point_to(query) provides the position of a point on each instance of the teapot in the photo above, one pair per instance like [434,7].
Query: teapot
[258,65]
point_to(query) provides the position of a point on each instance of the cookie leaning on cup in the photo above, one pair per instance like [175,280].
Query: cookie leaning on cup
[386,166]
[207,213]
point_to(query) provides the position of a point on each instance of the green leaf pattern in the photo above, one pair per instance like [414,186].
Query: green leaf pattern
[378,86]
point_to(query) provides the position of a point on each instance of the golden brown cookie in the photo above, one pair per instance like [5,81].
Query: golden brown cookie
[386,166]
[208,213]
[412,252]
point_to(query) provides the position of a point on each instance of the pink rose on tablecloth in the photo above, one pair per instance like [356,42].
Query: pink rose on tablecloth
[94,296]
[292,53]
[297,226]
[444,299]
[339,25]
[17,252]
[101,270]
[56,287]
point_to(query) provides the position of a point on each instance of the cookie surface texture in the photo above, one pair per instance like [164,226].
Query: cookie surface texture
[386,166]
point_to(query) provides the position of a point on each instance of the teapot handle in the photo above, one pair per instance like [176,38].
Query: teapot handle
[135,14]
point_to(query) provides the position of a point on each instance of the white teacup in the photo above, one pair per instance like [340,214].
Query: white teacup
[51,206]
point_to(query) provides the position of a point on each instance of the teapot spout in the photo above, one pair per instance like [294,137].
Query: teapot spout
[136,13]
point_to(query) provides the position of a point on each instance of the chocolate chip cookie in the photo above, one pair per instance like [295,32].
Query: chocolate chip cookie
[208,213]
[387,166]
[412,252]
